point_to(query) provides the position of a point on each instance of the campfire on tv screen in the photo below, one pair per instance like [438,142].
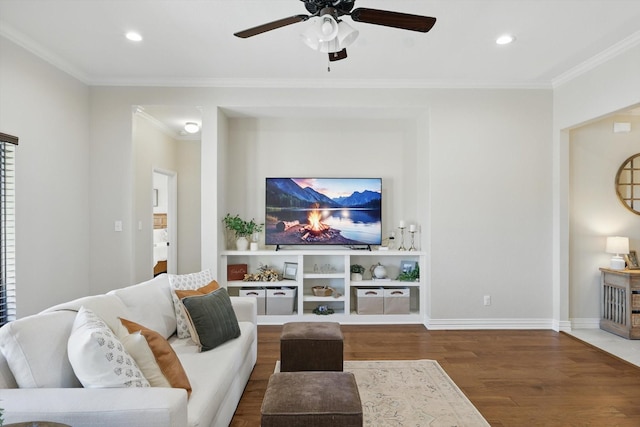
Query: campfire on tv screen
[323,211]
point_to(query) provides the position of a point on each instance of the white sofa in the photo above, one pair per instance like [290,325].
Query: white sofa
[37,382]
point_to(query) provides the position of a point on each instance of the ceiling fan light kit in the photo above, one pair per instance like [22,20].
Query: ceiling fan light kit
[329,34]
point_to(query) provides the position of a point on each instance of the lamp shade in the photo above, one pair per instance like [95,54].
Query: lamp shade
[325,34]
[346,34]
[617,245]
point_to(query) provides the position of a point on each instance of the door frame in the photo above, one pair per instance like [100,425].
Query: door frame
[172,218]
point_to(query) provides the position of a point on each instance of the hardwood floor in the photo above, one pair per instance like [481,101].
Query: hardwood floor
[514,378]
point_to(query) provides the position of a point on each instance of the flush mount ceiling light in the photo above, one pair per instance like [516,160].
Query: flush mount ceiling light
[191,127]
[133,36]
[505,39]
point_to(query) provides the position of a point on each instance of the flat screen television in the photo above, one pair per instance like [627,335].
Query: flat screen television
[323,211]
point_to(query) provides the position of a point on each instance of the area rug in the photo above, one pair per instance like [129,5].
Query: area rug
[412,393]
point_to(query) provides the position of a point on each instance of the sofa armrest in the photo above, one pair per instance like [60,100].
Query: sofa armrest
[90,407]
[246,309]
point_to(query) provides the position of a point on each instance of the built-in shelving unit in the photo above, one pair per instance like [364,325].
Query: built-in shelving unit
[332,268]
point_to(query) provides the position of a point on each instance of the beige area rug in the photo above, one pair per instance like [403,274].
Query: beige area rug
[410,393]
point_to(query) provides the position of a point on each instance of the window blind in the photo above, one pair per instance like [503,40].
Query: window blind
[7,229]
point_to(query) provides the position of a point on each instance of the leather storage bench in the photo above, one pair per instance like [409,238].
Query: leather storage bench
[311,346]
[311,399]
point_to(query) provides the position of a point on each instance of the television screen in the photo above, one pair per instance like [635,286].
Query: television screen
[323,211]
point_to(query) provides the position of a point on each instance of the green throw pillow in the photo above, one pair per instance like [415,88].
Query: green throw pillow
[212,319]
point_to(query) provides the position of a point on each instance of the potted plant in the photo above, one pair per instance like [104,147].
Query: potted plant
[356,272]
[242,229]
[410,276]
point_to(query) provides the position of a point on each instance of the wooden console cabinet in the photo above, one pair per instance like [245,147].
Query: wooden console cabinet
[620,298]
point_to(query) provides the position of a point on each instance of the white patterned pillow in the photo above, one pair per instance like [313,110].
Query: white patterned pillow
[187,282]
[98,358]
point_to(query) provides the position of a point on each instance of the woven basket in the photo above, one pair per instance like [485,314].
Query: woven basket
[321,291]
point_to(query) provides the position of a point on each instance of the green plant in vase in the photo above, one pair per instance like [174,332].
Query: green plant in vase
[356,272]
[242,229]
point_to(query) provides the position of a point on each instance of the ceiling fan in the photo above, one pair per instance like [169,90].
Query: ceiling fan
[331,34]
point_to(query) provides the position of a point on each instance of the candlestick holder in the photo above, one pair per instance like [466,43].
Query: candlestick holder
[402,248]
[413,234]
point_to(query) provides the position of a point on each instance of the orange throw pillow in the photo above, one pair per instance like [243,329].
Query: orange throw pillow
[165,355]
[212,286]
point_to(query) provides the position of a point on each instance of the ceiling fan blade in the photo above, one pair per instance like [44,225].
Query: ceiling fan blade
[337,56]
[250,32]
[386,18]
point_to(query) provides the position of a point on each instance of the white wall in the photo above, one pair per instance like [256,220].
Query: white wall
[490,205]
[189,207]
[48,111]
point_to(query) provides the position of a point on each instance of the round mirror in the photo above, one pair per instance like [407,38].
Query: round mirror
[628,183]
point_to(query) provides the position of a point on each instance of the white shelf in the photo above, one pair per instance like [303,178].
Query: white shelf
[332,259]
[278,284]
[323,275]
[383,283]
[313,298]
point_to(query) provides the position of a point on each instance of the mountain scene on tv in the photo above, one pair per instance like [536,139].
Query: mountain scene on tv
[332,211]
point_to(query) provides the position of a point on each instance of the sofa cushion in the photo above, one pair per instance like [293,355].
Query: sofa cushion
[190,281]
[98,358]
[163,369]
[183,293]
[108,307]
[150,303]
[223,364]
[212,318]
[137,346]
[23,343]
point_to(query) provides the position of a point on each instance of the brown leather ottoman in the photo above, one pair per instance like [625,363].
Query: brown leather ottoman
[311,346]
[311,399]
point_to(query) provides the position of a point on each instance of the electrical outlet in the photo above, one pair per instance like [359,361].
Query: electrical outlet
[118,226]
[487,300]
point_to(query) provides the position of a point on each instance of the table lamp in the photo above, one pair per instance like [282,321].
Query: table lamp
[617,245]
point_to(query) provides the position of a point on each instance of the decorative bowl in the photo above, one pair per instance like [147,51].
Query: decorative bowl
[321,291]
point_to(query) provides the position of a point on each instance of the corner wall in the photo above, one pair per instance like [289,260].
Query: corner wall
[49,111]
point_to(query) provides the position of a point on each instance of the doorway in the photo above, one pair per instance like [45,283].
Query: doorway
[165,222]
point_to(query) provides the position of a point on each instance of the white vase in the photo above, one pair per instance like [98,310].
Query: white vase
[356,277]
[379,272]
[242,243]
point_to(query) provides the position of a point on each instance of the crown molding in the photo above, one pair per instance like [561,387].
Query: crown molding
[139,110]
[325,84]
[38,50]
[617,49]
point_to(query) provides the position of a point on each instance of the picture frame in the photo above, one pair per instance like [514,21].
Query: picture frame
[408,266]
[632,260]
[290,271]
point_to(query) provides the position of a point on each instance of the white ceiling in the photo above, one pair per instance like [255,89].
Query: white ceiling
[191,42]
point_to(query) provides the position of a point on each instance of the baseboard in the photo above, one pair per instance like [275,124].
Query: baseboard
[585,323]
[462,324]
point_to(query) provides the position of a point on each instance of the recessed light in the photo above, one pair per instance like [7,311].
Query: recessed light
[133,36]
[505,39]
